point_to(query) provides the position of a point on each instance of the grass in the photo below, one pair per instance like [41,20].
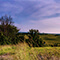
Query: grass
[51,39]
[7,49]
[24,52]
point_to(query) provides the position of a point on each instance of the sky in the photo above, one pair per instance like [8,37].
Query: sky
[43,15]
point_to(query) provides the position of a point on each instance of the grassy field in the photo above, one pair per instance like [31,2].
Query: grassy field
[51,39]
[24,52]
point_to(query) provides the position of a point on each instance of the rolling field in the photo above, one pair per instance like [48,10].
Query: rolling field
[51,39]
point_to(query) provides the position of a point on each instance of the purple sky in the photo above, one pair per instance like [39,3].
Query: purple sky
[43,15]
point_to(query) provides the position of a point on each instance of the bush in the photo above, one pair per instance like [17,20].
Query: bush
[8,32]
[34,39]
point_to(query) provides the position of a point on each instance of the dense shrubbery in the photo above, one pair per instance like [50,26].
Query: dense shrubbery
[55,45]
[9,35]
[8,32]
[34,39]
[8,39]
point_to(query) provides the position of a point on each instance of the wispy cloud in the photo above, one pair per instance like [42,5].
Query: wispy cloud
[47,25]
[36,14]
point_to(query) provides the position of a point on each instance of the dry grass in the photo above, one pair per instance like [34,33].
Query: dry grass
[24,52]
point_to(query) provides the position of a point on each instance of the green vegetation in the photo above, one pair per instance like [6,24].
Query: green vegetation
[7,31]
[9,34]
[51,39]
[26,46]
[34,39]
[24,52]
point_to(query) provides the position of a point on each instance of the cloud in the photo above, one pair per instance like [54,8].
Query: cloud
[9,7]
[46,10]
[38,14]
[48,25]
[31,9]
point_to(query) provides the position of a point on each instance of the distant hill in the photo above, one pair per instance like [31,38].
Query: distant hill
[41,33]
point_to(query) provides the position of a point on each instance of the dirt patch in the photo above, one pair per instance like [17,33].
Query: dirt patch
[5,57]
[47,57]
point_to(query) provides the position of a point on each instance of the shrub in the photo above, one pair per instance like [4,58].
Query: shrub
[34,39]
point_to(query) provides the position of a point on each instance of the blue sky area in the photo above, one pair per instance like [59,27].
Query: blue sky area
[43,15]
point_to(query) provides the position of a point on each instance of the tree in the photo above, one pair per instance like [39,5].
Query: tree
[6,20]
[7,26]
[8,31]
[34,32]
[34,38]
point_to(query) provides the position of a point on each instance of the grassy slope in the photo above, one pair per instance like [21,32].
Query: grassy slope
[51,39]
[24,52]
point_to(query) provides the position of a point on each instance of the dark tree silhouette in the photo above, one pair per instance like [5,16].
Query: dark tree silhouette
[6,20]
[8,30]
[34,38]
[6,25]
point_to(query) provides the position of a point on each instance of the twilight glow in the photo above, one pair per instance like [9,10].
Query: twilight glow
[43,15]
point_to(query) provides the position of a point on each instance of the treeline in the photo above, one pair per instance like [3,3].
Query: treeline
[9,34]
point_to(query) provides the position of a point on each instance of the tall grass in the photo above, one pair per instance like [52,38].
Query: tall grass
[24,52]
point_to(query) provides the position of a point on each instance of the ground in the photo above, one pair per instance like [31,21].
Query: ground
[24,52]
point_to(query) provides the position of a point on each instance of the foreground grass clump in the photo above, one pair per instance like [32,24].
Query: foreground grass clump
[24,52]
[48,53]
